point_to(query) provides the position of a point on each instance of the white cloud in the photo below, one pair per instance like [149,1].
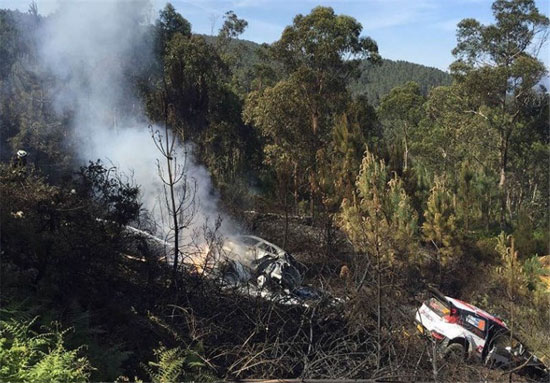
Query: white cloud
[448,25]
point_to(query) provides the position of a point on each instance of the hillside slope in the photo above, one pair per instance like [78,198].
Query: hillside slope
[375,80]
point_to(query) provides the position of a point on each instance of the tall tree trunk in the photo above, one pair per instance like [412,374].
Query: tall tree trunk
[174,213]
[503,166]
[503,169]
[171,187]
[328,228]
[313,175]
[312,198]
[314,123]
[379,309]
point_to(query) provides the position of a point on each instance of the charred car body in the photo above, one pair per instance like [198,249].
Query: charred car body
[251,257]
[254,262]
[248,263]
[465,330]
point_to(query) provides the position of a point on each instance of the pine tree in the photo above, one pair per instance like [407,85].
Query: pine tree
[511,272]
[404,220]
[440,225]
[349,137]
[380,223]
[511,269]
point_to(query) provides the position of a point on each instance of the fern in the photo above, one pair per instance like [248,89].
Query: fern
[28,356]
[169,365]
[59,365]
[177,364]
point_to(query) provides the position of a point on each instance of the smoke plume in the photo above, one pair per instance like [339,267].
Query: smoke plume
[89,47]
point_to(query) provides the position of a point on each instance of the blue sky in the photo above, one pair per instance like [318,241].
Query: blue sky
[420,31]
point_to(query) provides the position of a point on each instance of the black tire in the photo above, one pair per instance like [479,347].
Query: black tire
[451,364]
[455,352]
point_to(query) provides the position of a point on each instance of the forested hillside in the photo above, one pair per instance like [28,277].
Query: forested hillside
[376,81]
[135,153]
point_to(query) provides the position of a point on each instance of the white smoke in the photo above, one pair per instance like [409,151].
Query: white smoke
[87,46]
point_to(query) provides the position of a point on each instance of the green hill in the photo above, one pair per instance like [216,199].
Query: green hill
[375,80]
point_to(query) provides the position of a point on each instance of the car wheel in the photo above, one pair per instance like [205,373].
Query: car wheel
[454,352]
[451,364]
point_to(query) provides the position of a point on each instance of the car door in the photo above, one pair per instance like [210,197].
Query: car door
[476,330]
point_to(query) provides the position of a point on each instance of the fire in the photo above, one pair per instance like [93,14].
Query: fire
[202,260]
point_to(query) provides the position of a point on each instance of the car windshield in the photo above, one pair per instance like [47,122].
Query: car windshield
[438,307]
[248,241]
[267,248]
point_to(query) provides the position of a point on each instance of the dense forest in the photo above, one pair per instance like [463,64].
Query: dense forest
[384,179]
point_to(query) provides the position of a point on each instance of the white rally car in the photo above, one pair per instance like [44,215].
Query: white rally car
[470,332]
[460,326]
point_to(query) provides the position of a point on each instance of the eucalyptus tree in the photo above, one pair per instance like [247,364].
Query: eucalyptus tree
[498,69]
[319,53]
[167,25]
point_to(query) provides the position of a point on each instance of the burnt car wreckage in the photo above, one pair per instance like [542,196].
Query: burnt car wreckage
[251,256]
[251,265]
[464,330]
[265,269]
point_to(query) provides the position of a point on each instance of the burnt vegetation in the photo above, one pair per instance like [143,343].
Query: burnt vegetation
[381,178]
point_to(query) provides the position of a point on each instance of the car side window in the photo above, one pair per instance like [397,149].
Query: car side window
[475,324]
